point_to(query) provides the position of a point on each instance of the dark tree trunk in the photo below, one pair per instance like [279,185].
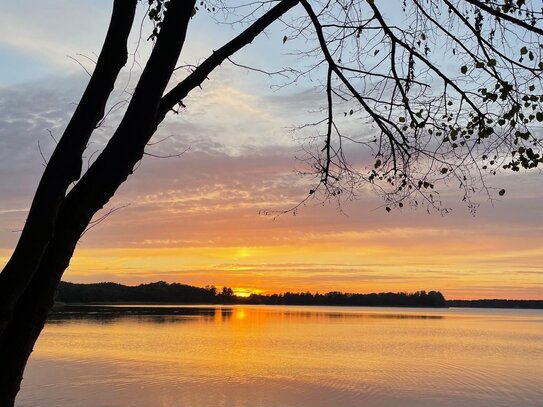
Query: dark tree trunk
[64,167]
[91,193]
[126,147]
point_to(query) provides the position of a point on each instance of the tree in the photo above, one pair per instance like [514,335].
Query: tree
[226,295]
[450,90]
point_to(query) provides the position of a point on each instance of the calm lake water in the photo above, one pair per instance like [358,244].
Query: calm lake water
[265,356]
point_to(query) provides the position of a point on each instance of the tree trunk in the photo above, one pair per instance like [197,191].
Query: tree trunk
[65,165]
[91,193]
[145,111]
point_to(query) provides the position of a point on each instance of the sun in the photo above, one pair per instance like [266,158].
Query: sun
[242,292]
[243,252]
[245,292]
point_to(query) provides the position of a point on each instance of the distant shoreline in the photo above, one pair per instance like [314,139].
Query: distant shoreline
[175,294]
[450,304]
[496,303]
[121,304]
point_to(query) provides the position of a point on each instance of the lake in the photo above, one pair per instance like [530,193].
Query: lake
[272,356]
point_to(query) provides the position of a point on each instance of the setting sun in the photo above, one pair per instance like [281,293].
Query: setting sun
[243,252]
[246,292]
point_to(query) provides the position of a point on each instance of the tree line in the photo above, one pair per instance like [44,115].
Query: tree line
[497,303]
[162,292]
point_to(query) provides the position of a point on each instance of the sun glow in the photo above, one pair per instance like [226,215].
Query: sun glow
[447,263]
[243,252]
[245,292]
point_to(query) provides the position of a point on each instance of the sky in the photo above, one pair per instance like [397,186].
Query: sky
[198,218]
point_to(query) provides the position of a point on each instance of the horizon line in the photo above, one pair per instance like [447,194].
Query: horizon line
[264,293]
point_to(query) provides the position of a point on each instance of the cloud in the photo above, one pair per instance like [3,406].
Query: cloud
[27,113]
[53,29]
[196,218]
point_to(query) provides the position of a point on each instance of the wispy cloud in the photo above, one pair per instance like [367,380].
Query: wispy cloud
[196,218]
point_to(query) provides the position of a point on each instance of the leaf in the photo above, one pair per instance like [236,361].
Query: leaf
[376,52]
[539,116]
[502,192]
[487,132]
[285,38]
[388,209]
[464,69]
[491,62]
[523,51]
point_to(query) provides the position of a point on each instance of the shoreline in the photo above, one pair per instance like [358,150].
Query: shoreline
[58,306]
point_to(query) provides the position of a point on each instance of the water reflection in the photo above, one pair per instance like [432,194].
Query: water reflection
[269,356]
[111,314]
[184,314]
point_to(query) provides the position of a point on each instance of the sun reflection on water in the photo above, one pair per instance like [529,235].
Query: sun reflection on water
[294,356]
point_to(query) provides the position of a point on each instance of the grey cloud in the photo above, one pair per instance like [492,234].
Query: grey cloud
[252,165]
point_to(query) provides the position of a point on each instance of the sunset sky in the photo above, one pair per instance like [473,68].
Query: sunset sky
[196,219]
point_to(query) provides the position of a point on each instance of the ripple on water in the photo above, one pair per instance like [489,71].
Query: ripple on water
[264,359]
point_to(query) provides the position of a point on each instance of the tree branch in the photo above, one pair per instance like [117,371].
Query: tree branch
[64,166]
[505,16]
[195,79]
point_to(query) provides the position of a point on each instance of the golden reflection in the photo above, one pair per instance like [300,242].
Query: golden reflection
[279,354]
[218,315]
[239,313]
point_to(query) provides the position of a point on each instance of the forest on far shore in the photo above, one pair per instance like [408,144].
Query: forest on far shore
[176,293]
[162,292]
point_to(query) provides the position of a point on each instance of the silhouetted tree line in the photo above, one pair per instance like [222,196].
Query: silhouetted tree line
[153,292]
[416,299]
[530,304]
[181,293]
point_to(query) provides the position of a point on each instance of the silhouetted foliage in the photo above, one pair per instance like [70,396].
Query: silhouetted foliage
[226,296]
[162,292]
[527,304]
[153,292]
[417,299]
